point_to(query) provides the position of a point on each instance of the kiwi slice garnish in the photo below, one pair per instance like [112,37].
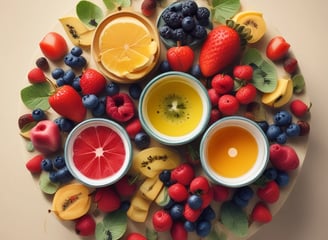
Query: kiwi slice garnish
[174,107]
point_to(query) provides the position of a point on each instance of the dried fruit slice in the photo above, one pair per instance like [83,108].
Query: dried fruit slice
[71,201]
[98,152]
[126,46]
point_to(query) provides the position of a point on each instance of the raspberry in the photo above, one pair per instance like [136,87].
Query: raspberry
[178,192]
[162,221]
[120,107]
[190,214]
[183,174]
[246,94]
[243,72]
[228,104]
[199,185]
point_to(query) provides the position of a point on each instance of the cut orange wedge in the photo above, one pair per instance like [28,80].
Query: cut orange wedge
[126,47]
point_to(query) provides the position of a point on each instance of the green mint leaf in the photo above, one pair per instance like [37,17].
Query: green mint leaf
[113,4]
[151,234]
[298,83]
[224,9]
[234,218]
[36,96]
[110,5]
[214,235]
[46,185]
[113,226]
[89,13]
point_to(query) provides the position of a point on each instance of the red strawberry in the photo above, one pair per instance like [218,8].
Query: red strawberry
[299,108]
[107,199]
[228,104]
[283,157]
[220,193]
[148,7]
[199,185]
[68,103]
[180,58]
[162,221]
[34,164]
[135,236]
[222,83]
[178,232]
[191,214]
[246,94]
[120,107]
[270,193]
[36,75]
[178,192]
[183,174]
[124,187]
[243,72]
[261,213]
[220,49]
[92,82]
[85,225]
[133,127]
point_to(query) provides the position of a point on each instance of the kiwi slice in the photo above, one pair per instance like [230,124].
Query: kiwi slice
[174,107]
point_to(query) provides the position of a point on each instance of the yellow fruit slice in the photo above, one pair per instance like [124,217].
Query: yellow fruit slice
[126,47]
[74,28]
[86,38]
[151,188]
[281,95]
[71,201]
[254,21]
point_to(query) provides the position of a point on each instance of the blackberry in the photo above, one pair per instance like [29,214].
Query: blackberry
[202,13]
[179,35]
[172,19]
[199,32]
[166,32]
[189,8]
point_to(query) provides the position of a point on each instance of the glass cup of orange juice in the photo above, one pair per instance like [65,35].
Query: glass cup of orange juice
[234,151]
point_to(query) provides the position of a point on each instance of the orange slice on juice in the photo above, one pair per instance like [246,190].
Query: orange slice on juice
[98,152]
[126,46]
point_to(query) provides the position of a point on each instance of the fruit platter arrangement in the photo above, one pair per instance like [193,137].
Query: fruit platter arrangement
[119,105]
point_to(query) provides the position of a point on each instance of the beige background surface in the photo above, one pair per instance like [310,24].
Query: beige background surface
[22,205]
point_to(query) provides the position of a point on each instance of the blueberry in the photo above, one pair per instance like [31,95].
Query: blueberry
[166,32]
[189,226]
[42,63]
[38,114]
[57,73]
[76,83]
[164,66]
[60,81]
[293,130]
[165,176]
[203,228]
[169,205]
[196,72]
[90,101]
[64,124]
[208,214]
[195,201]
[176,7]
[282,178]
[68,77]
[135,91]
[112,89]
[53,176]
[239,201]
[282,138]
[59,162]
[245,193]
[188,23]
[264,125]
[76,51]
[64,175]
[74,61]
[270,173]
[202,13]
[142,140]
[100,109]
[125,205]
[46,165]
[199,32]
[179,35]
[189,8]
[282,118]
[273,132]
[176,211]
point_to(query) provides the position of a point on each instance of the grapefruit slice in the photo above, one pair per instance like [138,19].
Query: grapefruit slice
[98,152]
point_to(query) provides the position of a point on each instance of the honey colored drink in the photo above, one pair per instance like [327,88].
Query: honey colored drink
[232,151]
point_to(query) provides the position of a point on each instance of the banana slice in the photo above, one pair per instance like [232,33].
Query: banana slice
[254,21]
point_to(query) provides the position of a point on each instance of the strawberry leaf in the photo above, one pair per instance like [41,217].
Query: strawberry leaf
[89,13]
[112,227]
[36,96]
[234,218]
[224,9]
